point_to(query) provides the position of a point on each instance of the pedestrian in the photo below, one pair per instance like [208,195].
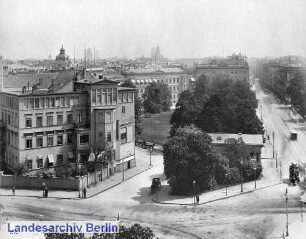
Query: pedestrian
[46,193]
[84,192]
[198,199]
[13,191]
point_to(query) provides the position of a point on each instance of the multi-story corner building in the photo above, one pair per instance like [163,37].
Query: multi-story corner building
[66,123]
[234,67]
[176,78]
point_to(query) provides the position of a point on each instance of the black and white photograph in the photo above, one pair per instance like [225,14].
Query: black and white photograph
[152,119]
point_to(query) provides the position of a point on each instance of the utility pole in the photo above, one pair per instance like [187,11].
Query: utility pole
[94,56]
[273,135]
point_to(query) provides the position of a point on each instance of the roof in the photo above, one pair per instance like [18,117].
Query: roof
[249,139]
[20,80]
[153,70]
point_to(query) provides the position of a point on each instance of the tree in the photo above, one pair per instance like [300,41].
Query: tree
[236,151]
[201,90]
[186,111]
[157,98]
[189,156]
[296,90]
[138,108]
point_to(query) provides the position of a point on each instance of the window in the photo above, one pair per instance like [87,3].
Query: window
[93,96]
[39,141]
[47,102]
[52,102]
[100,135]
[130,97]
[62,101]
[67,101]
[114,94]
[39,163]
[28,122]
[120,97]
[170,81]
[69,138]
[109,96]
[123,135]
[59,139]
[109,137]
[50,140]
[36,103]
[60,159]
[123,109]
[57,101]
[42,103]
[70,119]
[79,117]
[125,97]
[49,120]
[59,119]
[178,80]
[29,143]
[99,96]
[84,139]
[39,121]
[108,117]
[29,164]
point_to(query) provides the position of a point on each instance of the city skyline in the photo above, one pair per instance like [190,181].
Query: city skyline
[34,29]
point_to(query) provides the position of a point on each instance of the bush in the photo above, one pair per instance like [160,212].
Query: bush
[233,176]
[221,169]
[248,170]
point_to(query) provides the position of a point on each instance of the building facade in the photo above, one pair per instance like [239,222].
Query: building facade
[62,61]
[176,78]
[66,124]
[234,67]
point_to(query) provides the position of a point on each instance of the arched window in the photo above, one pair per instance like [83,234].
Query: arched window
[123,109]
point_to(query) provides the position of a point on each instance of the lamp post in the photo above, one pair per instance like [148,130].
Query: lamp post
[276,165]
[255,172]
[226,184]
[241,164]
[150,149]
[287,197]
[122,169]
[194,186]
[273,135]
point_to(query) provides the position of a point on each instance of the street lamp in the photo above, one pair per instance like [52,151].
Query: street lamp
[287,197]
[276,161]
[241,164]
[226,184]
[122,169]
[194,186]
[255,171]
[273,135]
[150,149]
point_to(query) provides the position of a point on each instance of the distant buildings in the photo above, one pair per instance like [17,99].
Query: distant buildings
[176,78]
[63,120]
[61,62]
[234,67]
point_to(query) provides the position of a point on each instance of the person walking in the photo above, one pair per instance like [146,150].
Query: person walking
[13,191]
[84,192]
[46,192]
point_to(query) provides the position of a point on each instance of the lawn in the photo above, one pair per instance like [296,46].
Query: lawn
[156,128]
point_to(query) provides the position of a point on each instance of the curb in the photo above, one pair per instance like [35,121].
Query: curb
[214,200]
[118,183]
[77,198]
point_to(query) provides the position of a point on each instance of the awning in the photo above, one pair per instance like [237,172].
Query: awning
[150,80]
[192,79]
[146,81]
[39,157]
[91,157]
[154,80]
[141,81]
[70,155]
[50,158]
[138,81]
[133,81]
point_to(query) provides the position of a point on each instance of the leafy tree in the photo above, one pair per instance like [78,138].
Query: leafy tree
[236,151]
[186,111]
[189,156]
[201,90]
[138,108]
[296,90]
[157,98]
[209,118]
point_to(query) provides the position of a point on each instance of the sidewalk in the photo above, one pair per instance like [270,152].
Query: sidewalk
[296,230]
[141,166]
[164,195]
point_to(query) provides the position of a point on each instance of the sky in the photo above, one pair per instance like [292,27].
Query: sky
[130,28]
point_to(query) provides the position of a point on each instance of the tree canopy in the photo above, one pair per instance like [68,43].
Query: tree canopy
[189,156]
[157,98]
[186,111]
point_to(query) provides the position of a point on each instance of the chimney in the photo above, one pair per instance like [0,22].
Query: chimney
[40,82]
